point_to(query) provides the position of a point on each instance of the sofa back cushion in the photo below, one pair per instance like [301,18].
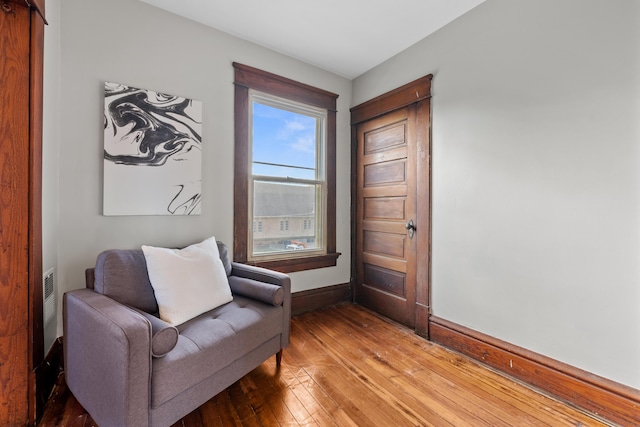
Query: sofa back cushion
[121,274]
[224,257]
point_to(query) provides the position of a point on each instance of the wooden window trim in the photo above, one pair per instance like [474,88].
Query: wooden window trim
[247,78]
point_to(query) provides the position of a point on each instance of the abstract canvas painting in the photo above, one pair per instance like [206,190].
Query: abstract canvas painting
[152,152]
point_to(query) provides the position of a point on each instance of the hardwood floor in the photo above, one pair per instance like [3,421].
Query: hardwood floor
[346,366]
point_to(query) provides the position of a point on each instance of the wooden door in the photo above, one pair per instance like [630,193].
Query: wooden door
[392,206]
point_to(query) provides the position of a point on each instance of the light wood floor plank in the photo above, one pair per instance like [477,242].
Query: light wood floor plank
[463,371]
[409,375]
[377,382]
[387,380]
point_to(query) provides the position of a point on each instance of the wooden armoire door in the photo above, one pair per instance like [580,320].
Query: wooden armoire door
[21,329]
[391,138]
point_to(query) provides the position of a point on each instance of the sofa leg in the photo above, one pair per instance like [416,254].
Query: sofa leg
[279,357]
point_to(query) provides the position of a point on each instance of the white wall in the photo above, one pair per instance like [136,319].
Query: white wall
[536,193]
[50,146]
[133,43]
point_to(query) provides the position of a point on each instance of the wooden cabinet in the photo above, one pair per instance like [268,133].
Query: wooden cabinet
[21,335]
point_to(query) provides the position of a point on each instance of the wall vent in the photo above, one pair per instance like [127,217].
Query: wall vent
[49,296]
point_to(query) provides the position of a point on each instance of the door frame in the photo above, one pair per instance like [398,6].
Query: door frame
[416,92]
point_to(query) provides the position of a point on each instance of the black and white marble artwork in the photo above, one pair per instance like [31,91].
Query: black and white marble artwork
[152,152]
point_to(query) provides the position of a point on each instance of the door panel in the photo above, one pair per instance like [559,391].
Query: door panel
[385,244]
[384,279]
[385,138]
[384,208]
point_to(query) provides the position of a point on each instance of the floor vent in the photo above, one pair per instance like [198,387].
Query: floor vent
[49,296]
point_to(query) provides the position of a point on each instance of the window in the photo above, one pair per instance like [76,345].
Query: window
[284,172]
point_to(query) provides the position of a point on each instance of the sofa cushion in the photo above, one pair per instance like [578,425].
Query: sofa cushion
[211,342]
[122,275]
[187,282]
[261,291]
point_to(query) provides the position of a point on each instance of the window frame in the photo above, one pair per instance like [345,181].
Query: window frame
[246,79]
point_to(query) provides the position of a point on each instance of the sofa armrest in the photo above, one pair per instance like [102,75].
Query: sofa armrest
[261,291]
[275,278]
[107,358]
[164,335]
[260,274]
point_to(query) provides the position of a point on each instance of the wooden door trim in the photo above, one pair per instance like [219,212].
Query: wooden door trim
[423,215]
[403,96]
[37,399]
[15,341]
[22,326]
[416,92]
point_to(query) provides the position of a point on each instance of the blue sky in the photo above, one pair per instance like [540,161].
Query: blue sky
[283,137]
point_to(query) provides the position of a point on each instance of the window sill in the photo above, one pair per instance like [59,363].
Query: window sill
[290,265]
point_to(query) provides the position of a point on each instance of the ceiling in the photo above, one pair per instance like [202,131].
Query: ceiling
[346,37]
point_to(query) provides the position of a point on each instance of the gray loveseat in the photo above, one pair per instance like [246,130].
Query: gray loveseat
[127,367]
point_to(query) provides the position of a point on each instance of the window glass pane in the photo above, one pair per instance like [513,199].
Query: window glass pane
[283,209]
[284,143]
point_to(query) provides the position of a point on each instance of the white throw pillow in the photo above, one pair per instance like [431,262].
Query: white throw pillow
[187,282]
